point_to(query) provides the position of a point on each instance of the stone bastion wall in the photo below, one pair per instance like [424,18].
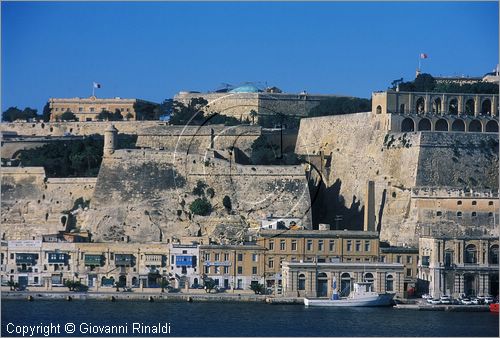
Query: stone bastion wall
[359,150]
[33,204]
[144,195]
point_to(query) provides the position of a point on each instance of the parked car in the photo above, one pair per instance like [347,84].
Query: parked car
[433,301]
[488,300]
[466,301]
[426,296]
[476,301]
[445,299]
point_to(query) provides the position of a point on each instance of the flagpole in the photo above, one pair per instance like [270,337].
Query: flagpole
[93,89]
[419,60]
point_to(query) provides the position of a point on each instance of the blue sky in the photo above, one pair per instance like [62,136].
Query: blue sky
[154,50]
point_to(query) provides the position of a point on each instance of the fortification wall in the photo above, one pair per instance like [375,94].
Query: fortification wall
[151,202]
[33,205]
[398,162]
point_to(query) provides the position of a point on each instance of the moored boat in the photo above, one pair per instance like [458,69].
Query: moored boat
[362,295]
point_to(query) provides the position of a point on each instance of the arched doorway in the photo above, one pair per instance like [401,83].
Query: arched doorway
[475,126]
[407,125]
[322,288]
[470,284]
[436,106]
[458,125]
[492,127]
[486,107]
[122,280]
[301,282]
[424,124]
[441,125]
[453,107]
[135,282]
[345,284]
[420,105]
[469,107]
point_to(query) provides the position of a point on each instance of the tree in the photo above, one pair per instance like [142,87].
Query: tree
[147,110]
[199,190]
[201,206]
[13,113]
[117,115]
[226,202]
[424,83]
[67,116]
[129,115]
[209,284]
[46,112]
[341,105]
[192,113]
[253,115]
[164,284]
[257,288]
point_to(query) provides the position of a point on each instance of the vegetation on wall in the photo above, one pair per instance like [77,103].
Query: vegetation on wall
[194,114]
[72,158]
[201,206]
[427,83]
[13,113]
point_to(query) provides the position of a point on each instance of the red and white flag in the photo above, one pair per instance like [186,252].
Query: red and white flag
[423,56]
[98,85]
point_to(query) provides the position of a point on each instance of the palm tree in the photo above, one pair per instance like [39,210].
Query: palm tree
[253,115]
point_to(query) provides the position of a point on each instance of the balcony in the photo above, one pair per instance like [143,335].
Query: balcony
[26,258]
[124,260]
[58,258]
[93,260]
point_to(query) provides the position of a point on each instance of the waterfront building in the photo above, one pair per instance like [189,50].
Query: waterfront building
[319,246]
[184,264]
[408,256]
[88,109]
[459,265]
[313,279]
[233,267]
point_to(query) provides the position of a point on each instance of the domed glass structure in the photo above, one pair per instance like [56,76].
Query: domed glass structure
[245,89]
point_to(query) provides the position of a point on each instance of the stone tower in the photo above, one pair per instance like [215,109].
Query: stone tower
[369,222]
[110,140]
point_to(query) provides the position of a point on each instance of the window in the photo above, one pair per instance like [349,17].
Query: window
[439,213]
[184,252]
[226,269]
[270,263]
[408,272]
[349,245]
[459,214]
[294,245]
[358,246]
[226,257]
[254,270]
[367,246]
[309,245]
[320,245]
[474,203]
[271,245]
[490,214]
[459,202]
[282,245]
[282,259]
[302,282]
[207,256]
[207,269]
[254,258]
[216,269]
[11,256]
[239,284]
[80,109]
[425,260]
[331,245]
[493,256]
[217,256]
[490,203]
[398,259]
[92,109]
[409,259]
[389,283]
[382,259]
[240,270]
[470,254]
[474,214]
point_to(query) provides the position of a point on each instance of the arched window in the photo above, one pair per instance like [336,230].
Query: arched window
[458,125]
[493,255]
[345,284]
[379,109]
[389,283]
[302,282]
[469,107]
[436,105]
[368,277]
[453,107]
[424,124]
[492,127]
[475,126]
[486,107]
[407,125]
[470,254]
[441,125]
[420,105]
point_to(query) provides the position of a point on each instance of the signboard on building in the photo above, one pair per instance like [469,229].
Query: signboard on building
[208,263]
[24,244]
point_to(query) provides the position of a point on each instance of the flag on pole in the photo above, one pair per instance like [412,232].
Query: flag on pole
[423,56]
[97,85]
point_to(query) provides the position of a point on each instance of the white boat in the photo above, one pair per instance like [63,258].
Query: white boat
[362,295]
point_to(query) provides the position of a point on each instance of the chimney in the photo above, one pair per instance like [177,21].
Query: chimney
[369,221]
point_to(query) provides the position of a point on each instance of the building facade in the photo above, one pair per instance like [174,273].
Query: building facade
[459,266]
[88,109]
[408,256]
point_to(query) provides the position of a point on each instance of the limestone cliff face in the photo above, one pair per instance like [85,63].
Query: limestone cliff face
[357,148]
[144,195]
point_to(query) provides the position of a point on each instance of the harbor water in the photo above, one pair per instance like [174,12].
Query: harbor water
[138,318]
